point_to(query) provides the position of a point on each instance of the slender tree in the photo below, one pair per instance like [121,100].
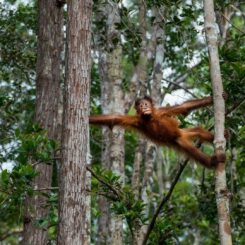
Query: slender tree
[103,236]
[110,229]
[222,194]
[156,49]
[50,44]
[116,106]
[74,180]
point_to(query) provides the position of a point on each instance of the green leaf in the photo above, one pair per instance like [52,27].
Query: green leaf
[5,176]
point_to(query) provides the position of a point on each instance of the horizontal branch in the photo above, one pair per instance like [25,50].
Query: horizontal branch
[46,189]
[181,87]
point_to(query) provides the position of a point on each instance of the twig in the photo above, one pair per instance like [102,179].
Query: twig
[10,234]
[104,194]
[235,106]
[5,191]
[180,86]
[238,10]
[103,182]
[46,189]
[164,200]
[232,24]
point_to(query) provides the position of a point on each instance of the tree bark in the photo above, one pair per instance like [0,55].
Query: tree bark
[116,105]
[138,82]
[103,236]
[222,194]
[117,147]
[110,230]
[74,180]
[50,44]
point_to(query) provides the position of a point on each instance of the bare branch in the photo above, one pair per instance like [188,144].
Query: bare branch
[238,10]
[228,20]
[8,234]
[164,200]
[46,189]
[181,87]
[235,106]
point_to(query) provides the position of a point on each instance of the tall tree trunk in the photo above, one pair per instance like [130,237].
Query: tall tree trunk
[222,194]
[50,44]
[103,236]
[156,49]
[117,135]
[116,105]
[74,180]
[110,227]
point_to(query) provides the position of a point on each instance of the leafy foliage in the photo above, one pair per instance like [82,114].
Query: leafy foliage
[122,197]
[33,148]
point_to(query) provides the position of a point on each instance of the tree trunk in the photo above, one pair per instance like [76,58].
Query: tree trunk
[110,227]
[103,236]
[222,194]
[117,135]
[156,49]
[116,106]
[50,44]
[74,180]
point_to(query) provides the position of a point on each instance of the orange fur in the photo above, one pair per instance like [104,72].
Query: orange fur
[161,126]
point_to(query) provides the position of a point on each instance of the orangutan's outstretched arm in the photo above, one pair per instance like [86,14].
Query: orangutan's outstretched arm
[113,120]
